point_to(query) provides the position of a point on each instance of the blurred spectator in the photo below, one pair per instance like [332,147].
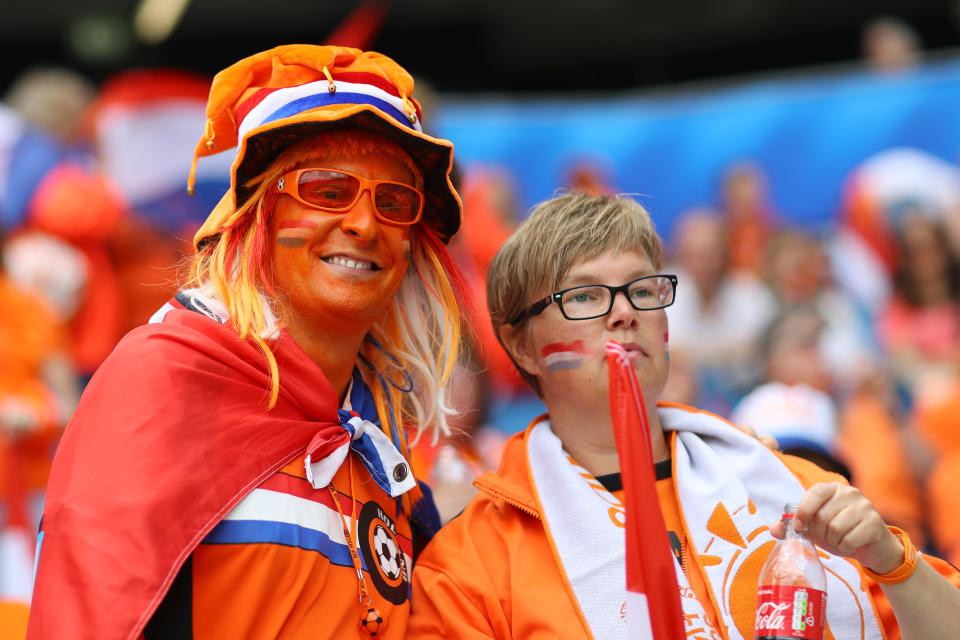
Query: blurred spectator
[84,210]
[52,99]
[61,193]
[38,393]
[920,326]
[746,207]
[863,245]
[869,442]
[450,465]
[719,315]
[889,45]
[797,269]
[936,419]
[944,505]
[791,349]
[590,174]
[490,215]
[801,418]
[47,267]
[145,123]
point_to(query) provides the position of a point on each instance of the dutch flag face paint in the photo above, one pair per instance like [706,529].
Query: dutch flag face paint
[294,233]
[560,356]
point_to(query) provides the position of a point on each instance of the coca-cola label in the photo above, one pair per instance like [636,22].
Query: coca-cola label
[788,612]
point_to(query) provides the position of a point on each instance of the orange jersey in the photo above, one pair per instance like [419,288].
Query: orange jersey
[30,335]
[279,566]
[205,510]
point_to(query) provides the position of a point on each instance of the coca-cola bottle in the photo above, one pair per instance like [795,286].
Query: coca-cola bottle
[792,590]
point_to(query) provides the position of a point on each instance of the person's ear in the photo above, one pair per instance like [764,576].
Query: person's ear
[517,344]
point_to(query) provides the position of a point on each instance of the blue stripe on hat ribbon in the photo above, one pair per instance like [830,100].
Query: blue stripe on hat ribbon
[325,99]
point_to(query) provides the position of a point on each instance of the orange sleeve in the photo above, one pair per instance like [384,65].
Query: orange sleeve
[807,472]
[441,609]
[871,445]
[943,504]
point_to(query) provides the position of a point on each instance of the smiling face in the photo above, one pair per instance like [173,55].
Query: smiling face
[338,270]
[567,356]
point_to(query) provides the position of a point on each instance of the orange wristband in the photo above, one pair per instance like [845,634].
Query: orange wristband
[911,558]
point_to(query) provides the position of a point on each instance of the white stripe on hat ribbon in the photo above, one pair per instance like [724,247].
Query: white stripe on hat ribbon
[281,98]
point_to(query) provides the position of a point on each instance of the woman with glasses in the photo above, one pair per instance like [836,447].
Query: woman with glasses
[239,467]
[540,551]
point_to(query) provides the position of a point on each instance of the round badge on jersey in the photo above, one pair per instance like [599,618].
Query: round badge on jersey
[382,553]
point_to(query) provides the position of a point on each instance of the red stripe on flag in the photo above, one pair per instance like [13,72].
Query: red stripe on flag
[297,224]
[147,87]
[556,347]
[650,568]
[296,486]
[299,487]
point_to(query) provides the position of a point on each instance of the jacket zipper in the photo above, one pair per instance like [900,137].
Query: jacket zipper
[514,503]
[683,559]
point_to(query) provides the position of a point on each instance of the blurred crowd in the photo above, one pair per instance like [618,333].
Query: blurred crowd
[843,343]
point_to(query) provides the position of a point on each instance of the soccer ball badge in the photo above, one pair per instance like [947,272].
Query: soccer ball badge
[372,622]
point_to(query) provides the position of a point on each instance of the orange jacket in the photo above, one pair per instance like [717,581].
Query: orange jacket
[491,572]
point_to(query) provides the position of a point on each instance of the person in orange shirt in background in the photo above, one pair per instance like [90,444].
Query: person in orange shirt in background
[38,392]
[74,202]
[933,421]
[451,464]
[749,216]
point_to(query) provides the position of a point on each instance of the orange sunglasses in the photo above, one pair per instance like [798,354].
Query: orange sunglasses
[338,191]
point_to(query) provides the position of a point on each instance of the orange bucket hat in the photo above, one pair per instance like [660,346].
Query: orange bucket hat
[263,103]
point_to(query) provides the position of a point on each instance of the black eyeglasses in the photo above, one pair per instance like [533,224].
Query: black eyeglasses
[595,300]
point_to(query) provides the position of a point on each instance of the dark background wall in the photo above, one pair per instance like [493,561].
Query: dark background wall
[466,46]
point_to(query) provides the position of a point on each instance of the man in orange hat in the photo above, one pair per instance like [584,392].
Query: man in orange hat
[238,466]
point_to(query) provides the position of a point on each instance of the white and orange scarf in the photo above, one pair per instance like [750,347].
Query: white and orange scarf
[730,488]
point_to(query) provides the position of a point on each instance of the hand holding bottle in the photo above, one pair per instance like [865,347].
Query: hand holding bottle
[842,521]
[792,588]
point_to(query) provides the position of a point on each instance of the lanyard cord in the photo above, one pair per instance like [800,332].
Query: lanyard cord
[354,554]
[372,620]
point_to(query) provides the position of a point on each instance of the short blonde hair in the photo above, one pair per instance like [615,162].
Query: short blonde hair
[559,233]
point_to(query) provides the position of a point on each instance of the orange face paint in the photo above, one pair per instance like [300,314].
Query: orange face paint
[339,271]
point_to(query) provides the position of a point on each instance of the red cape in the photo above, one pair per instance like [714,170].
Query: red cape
[170,434]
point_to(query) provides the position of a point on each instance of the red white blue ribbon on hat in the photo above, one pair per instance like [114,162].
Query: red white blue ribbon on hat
[269,105]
